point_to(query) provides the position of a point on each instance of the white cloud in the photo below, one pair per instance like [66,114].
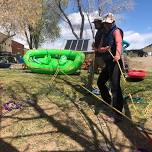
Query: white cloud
[75,18]
[58,44]
[66,32]
[138,40]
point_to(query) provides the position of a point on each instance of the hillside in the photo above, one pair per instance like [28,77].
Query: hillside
[148,48]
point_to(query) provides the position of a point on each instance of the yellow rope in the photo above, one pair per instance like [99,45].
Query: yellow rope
[148,110]
[54,76]
[124,79]
[137,125]
[81,84]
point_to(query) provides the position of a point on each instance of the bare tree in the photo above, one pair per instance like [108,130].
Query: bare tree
[61,5]
[38,19]
[114,6]
[88,10]
[31,18]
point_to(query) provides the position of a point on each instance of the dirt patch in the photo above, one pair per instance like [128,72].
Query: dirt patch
[140,63]
[46,127]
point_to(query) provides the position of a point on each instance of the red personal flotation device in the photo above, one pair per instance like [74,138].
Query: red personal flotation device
[136,74]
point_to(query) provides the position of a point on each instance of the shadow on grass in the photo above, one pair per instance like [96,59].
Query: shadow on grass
[88,143]
[134,135]
[6,147]
[134,79]
[93,127]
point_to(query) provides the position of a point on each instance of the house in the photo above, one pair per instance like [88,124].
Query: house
[9,45]
[17,48]
[148,49]
[5,43]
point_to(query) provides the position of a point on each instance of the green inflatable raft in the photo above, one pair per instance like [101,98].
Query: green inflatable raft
[51,60]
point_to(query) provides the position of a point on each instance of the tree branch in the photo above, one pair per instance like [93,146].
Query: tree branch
[27,38]
[8,36]
[90,25]
[66,17]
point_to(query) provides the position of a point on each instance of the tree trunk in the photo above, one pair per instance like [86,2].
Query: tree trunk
[90,25]
[82,18]
[69,22]
[29,41]
[36,41]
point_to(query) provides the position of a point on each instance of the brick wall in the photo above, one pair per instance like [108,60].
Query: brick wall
[17,48]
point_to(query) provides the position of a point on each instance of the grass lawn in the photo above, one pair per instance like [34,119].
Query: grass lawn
[61,115]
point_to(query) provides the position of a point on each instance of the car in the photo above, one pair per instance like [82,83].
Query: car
[137,52]
[6,59]
[142,53]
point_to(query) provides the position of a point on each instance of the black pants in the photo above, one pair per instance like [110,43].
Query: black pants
[112,73]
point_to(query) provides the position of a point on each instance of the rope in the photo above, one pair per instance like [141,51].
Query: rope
[54,76]
[56,73]
[124,79]
[81,84]
[138,126]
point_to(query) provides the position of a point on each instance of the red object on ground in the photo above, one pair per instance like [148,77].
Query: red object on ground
[86,64]
[136,74]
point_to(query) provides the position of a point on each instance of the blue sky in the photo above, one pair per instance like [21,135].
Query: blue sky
[140,18]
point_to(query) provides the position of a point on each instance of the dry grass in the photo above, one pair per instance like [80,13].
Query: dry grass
[61,118]
[140,63]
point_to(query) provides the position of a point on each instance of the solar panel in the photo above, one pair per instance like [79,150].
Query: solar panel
[85,45]
[79,44]
[73,45]
[68,44]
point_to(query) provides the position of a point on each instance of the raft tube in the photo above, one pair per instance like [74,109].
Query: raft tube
[47,61]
